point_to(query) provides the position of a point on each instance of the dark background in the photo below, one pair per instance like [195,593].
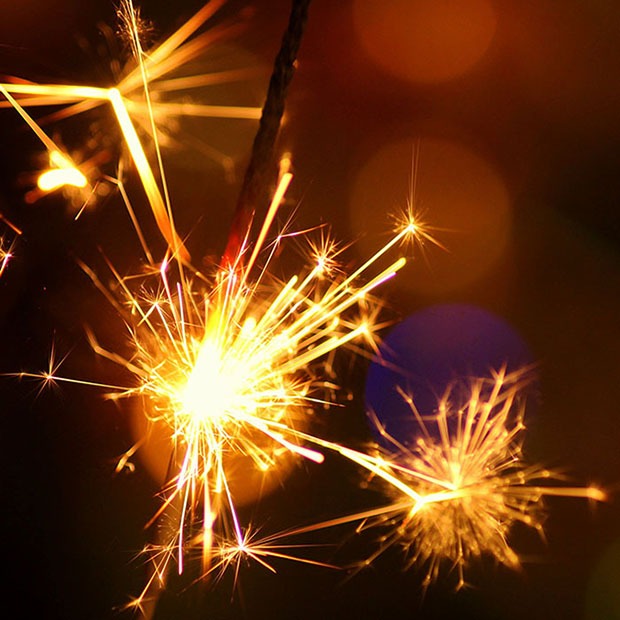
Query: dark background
[518,163]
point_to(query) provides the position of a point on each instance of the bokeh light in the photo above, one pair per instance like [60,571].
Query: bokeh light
[470,206]
[429,350]
[603,600]
[425,40]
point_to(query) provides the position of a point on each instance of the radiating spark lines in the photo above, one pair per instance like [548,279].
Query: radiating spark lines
[464,483]
[134,106]
[7,243]
[228,363]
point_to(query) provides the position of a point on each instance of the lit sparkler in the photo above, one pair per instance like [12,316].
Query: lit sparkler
[223,361]
[463,484]
[227,364]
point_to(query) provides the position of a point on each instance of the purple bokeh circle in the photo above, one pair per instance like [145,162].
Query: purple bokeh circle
[430,350]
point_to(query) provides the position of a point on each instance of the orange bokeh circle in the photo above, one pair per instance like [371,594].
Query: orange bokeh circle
[425,40]
[247,483]
[461,198]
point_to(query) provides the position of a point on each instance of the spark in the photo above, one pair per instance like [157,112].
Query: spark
[7,243]
[163,101]
[460,488]
[6,254]
[61,172]
[247,547]
[228,363]
[420,232]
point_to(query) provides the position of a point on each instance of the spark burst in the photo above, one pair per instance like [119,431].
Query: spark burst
[461,487]
[226,363]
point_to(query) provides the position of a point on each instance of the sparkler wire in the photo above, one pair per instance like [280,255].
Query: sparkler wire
[260,171]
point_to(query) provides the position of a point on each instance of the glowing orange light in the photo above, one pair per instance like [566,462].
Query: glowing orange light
[422,40]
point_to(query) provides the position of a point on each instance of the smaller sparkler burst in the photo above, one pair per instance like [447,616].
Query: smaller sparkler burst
[464,483]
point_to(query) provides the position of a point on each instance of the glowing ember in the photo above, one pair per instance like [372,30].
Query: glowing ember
[60,174]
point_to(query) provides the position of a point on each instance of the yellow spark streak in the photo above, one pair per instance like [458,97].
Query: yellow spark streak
[146,175]
[207,79]
[57,92]
[197,109]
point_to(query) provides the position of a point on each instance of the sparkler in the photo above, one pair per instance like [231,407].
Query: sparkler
[224,361]
[459,489]
[227,364]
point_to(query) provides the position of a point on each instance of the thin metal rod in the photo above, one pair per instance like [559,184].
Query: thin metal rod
[261,170]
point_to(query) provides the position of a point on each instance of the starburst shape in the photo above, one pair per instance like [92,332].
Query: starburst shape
[461,486]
